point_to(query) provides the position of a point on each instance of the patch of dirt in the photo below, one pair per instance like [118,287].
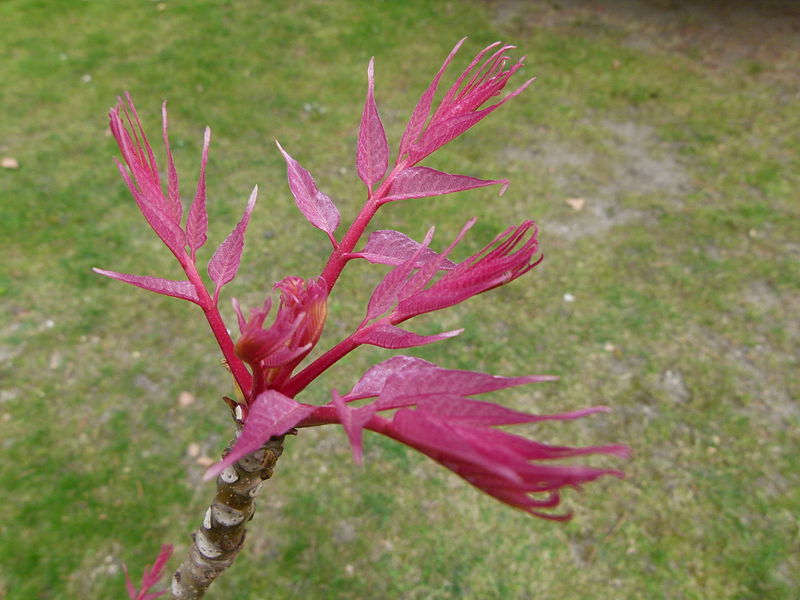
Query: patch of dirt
[763,37]
[762,295]
[643,166]
[650,166]
[675,386]
[751,39]
[771,400]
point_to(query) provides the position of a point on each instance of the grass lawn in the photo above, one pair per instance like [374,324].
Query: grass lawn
[679,130]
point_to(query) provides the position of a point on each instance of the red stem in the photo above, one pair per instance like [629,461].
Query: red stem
[238,370]
[298,383]
[330,274]
[338,258]
[328,415]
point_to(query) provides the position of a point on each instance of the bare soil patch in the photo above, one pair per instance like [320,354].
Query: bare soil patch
[762,36]
[635,164]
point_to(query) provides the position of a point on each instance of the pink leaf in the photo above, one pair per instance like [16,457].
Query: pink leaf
[160,222]
[168,287]
[129,584]
[421,182]
[508,257]
[373,381]
[457,409]
[471,96]
[197,221]
[443,132]
[445,443]
[459,108]
[372,154]
[425,381]
[270,414]
[390,247]
[532,450]
[150,576]
[237,308]
[133,144]
[393,337]
[353,421]
[448,293]
[224,265]
[315,206]
[422,277]
[497,462]
[423,109]
[173,192]
[143,178]
[386,292]
[385,335]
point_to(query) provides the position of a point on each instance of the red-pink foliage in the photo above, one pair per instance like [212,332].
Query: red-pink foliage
[150,577]
[372,151]
[315,206]
[436,415]
[390,247]
[422,182]
[410,400]
[224,264]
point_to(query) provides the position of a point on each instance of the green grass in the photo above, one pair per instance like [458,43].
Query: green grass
[683,266]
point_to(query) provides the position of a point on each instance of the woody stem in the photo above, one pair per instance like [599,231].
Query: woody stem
[216,544]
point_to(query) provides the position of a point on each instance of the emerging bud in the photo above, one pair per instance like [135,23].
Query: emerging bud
[307,300]
[272,353]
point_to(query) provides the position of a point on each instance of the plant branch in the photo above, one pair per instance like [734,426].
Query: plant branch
[338,257]
[298,383]
[220,331]
[216,544]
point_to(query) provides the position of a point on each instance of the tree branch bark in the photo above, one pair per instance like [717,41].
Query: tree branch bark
[219,539]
